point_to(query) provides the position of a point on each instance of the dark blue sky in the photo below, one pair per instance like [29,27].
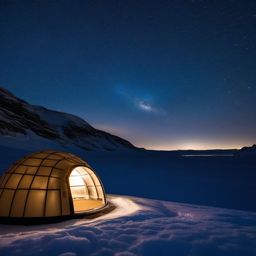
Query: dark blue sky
[162,74]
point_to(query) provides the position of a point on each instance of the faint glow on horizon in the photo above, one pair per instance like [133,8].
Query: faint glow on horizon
[184,144]
[195,146]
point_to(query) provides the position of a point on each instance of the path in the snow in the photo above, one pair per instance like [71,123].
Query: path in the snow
[139,227]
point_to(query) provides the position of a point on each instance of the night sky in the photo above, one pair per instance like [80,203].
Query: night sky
[162,74]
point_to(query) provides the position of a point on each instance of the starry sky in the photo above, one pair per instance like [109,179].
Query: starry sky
[172,74]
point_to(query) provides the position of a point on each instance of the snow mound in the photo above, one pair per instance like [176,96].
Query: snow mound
[139,227]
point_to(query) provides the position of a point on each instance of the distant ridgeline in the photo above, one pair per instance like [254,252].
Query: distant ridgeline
[248,150]
[37,126]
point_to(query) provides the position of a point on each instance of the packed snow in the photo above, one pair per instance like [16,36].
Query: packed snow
[139,227]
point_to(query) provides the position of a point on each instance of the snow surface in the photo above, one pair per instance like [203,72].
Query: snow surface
[139,227]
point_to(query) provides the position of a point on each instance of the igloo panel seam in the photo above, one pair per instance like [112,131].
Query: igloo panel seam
[28,165]
[48,181]
[94,186]
[29,189]
[15,192]
[38,175]
[6,181]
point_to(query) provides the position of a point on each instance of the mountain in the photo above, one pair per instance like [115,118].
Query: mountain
[248,151]
[39,127]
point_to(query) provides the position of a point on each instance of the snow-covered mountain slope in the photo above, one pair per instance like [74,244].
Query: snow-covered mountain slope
[139,227]
[37,126]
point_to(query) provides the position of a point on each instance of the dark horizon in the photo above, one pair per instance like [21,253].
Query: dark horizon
[164,75]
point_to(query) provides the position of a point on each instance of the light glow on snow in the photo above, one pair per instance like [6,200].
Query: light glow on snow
[124,207]
[139,227]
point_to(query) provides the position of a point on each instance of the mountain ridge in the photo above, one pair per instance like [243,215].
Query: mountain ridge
[19,119]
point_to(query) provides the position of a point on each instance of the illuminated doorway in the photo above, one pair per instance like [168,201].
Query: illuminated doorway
[86,190]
